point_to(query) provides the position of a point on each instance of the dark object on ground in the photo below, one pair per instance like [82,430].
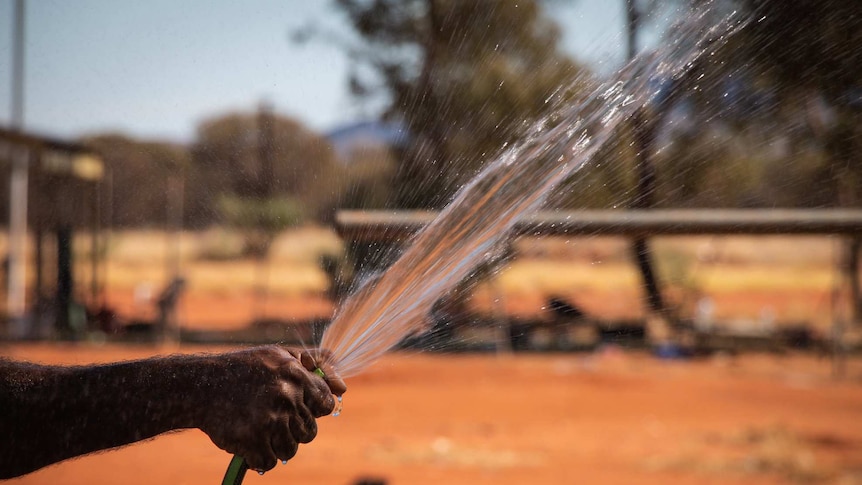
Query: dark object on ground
[563,309]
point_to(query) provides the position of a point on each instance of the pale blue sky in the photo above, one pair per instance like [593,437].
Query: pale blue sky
[156,68]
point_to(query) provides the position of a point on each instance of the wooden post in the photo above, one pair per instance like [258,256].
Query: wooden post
[854,246]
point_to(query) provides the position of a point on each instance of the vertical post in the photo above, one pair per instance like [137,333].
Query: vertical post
[15,304]
[852,268]
[64,281]
[106,237]
[643,132]
[95,229]
[38,216]
[168,313]
[265,132]
[265,148]
[38,241]
[174,187]
[632,19]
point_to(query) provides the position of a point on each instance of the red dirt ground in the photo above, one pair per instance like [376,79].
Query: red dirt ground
[202,311]
[609,417]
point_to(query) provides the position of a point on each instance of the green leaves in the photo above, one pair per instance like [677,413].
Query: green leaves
[465,77]
[260,220]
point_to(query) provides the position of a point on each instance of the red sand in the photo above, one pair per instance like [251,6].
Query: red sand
[604,418]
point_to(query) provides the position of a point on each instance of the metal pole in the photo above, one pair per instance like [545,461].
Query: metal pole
[632,22]
[15,304]
[95,230]
[18,36]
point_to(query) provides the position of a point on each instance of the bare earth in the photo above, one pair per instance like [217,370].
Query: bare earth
[609,417]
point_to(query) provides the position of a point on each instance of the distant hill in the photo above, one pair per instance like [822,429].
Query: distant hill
[367,133]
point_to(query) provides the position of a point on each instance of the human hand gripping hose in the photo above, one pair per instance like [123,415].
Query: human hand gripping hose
[237,467]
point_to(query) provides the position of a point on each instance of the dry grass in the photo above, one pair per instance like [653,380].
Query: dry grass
[147,258]
[760,451]
[790,277]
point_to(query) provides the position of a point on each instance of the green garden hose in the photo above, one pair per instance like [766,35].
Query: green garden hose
[236,469]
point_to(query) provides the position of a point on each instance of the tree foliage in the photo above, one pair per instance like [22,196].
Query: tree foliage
[223,164]
[369,170]
[775,118]
[465,77]
[808,54]
[227,160]
[140,178]
[259,220]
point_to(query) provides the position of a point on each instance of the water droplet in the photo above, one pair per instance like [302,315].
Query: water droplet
[284,462]
[260,472]
[339,404]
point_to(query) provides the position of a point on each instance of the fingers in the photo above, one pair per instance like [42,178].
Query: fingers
[326,361]
[315,394]
[322,359]
[333,380]
[279,397]
[283,443]
[303,426]
[261,458]
[308,361]
[282,440]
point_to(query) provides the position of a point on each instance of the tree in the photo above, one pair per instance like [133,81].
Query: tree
[369,171]
[807,53]
[297,164]
[814,65]
[140,173]
[779,101]
[465,78]
[777,111]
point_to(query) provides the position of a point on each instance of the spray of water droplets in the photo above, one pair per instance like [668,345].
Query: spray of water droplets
[394,305]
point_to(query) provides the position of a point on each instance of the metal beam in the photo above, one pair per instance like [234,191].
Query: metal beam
[390,226]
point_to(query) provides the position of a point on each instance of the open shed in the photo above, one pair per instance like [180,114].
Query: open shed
[63,197]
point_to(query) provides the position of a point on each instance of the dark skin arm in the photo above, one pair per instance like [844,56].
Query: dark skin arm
[258,403]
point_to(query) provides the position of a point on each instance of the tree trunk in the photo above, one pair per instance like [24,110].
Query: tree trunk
[416,172]
[644,134]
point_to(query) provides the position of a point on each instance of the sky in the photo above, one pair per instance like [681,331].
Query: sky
[155,69]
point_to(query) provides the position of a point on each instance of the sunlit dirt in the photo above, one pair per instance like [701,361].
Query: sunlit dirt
[604,417]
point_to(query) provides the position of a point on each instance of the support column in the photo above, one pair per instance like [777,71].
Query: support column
[64,281]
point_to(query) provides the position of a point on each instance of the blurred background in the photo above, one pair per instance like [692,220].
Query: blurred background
[187,176]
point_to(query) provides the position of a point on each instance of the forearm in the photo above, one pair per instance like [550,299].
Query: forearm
[53,413]
[259,403]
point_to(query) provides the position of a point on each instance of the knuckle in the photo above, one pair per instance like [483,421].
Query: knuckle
[319,398]
[327,405]
[273,354]
[290,393]
[308,361]
[304,429]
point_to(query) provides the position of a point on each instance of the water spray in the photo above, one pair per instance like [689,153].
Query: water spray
[394,305]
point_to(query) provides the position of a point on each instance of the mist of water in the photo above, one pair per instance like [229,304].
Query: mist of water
[394,305]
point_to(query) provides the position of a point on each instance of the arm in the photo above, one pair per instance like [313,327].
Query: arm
[258,403]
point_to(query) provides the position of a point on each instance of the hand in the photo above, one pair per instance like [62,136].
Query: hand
[265,401]
[322,359]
